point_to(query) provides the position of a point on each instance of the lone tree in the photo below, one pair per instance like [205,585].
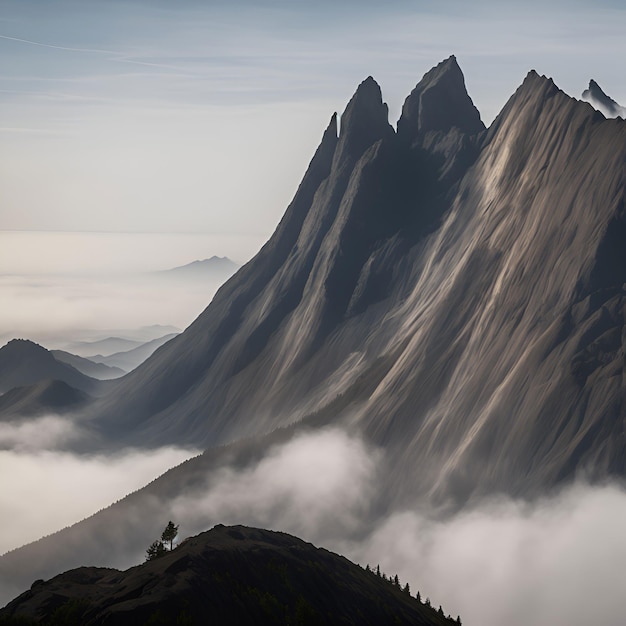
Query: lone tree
[169,534]
[156,549]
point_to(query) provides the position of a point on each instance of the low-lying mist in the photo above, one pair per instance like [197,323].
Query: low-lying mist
[46,487]
[95,302]
[55,285]
[557,560]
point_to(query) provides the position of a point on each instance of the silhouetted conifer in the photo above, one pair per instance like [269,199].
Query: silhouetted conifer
[156,549]
[169,534]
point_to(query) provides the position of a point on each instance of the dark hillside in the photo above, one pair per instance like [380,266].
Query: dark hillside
[228,575]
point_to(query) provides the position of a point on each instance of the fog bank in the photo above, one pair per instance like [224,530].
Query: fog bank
[558,560]
[45,489]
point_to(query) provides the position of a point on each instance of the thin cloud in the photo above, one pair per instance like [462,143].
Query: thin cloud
[55,47]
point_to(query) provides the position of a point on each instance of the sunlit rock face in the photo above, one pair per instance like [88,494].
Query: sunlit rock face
[455,294]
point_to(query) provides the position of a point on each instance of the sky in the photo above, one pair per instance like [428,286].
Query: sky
[201,117]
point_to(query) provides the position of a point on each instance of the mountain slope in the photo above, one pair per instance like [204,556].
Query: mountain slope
[47,396]
[24,363]
[87,367]
[228,575]
[129,359]
[457,294]
[330,258]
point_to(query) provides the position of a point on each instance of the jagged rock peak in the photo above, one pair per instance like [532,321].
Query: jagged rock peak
[365,119]
[333,128]
[596,96]
[439,102]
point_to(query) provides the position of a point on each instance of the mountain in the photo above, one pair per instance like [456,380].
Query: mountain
[24,363]
[43,397]
[129,359]
[452,294]
[456,294]
[87,367]
[215,267]
[605,104]
[228,575]
[106,346]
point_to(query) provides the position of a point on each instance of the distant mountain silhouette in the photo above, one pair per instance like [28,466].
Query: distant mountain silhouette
[47,396]
[24,363]
[605,104]
[215,267]
[103,347]
[228,575]
[87,367]
[129,359]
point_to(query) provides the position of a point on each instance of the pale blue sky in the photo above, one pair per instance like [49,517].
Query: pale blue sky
[202,116]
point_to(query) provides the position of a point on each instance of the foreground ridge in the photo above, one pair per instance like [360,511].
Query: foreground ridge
[228,575]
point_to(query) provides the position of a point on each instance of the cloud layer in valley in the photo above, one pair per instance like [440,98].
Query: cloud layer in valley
[557,560]
[46,488]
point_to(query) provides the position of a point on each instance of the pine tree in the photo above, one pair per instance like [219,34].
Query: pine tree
[418,596]
[396,580]
[169,534]
[156,549]
[378,571]
[406,589]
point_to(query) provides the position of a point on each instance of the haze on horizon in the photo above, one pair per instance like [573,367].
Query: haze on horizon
[139,117]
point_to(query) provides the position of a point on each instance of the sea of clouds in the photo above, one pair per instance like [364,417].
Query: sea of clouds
[557,560]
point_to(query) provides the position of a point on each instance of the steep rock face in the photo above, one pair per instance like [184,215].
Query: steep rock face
[365,196]
[455,294]
[439,103]
[484,386]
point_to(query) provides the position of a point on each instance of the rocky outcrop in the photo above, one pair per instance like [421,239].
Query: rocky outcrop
[605,104]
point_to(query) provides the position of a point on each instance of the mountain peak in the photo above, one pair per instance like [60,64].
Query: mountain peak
[439,102]
[25,348]
[596,96]
[364,121]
